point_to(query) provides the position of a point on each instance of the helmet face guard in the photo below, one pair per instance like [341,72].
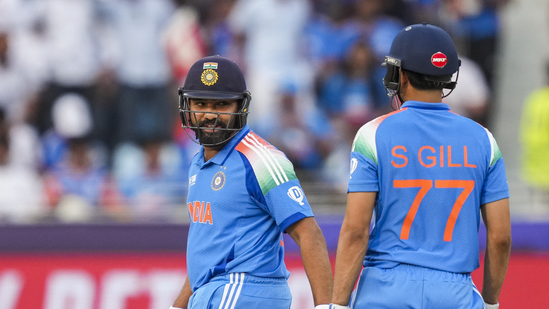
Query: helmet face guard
[391,81]
[214,78]
[236,121]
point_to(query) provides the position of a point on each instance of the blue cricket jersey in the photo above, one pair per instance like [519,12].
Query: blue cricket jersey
[239,203]
[432,169]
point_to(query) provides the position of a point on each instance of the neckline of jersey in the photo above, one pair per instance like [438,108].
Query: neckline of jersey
[222,155]
[426,105]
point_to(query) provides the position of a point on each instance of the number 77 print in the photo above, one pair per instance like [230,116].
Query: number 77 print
[425,185]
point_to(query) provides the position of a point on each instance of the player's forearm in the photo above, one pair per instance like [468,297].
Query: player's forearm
[182,300]
[316,262]
[314,254]
[496,260]
[350,255]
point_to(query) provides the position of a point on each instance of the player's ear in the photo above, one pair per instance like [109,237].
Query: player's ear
[403,78]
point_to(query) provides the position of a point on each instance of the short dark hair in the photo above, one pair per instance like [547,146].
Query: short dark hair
[423,82]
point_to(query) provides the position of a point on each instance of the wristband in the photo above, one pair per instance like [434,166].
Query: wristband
[490,306]
[336,306]
[326,306]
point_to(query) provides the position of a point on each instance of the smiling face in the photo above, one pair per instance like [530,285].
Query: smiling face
[213,117]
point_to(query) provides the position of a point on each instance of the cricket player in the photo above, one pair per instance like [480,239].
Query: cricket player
[425,176]
[243,194]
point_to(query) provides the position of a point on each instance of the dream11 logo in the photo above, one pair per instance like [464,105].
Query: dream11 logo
[296,194]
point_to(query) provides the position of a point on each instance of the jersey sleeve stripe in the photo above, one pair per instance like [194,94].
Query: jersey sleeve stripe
[270,166]
[495,153]
[268,156]
[365,140]
[286,167]
[260,156]
[271,155]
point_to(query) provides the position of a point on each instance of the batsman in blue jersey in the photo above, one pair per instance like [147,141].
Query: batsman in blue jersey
[243,194]
[425,176]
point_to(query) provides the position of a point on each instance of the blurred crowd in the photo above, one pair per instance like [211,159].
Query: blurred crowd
[89,126]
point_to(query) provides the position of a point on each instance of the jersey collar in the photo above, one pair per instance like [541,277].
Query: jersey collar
[224,153]
[425,105]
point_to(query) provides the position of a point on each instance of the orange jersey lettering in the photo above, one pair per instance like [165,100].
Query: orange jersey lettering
[400,156]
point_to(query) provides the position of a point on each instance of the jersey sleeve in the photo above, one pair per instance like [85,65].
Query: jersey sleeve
[272,180]
[364,169]
[495,185]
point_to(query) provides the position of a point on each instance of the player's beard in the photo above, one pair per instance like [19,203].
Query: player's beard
[217,138]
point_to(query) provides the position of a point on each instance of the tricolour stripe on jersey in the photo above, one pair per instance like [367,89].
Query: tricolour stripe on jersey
[231,292]
[365,139]
[270,165]
[265,160]
[495,153]
[270,157]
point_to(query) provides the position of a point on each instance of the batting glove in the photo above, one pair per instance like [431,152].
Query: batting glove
[335,306]
[323,306]
[490,306]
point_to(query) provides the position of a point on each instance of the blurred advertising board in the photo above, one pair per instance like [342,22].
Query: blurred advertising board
[142,266]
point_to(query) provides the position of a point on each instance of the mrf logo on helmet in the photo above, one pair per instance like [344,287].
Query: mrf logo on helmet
[439,60]
[214,78]
[424,49]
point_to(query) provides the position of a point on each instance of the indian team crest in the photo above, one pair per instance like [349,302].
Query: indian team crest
[218,181]
[209,77]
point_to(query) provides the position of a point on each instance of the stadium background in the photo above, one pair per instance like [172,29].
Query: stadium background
[140,264]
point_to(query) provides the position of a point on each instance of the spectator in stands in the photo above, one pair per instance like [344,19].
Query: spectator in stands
[534,137]
[320,35]
[75,52]
[346,96]
[471,98]
[347,93]
[77,182]
[372,26]
[141,67]
[13,78]
[221,39]
[152,177]
[270,33]
[21,186]
[183,40]
[17,92]
[475,24]
[303,131]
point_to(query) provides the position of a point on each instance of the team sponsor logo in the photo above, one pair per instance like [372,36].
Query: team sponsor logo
[354,164]
[209,77]
[218,181]
[192,180]
[296,194]
[439,60]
